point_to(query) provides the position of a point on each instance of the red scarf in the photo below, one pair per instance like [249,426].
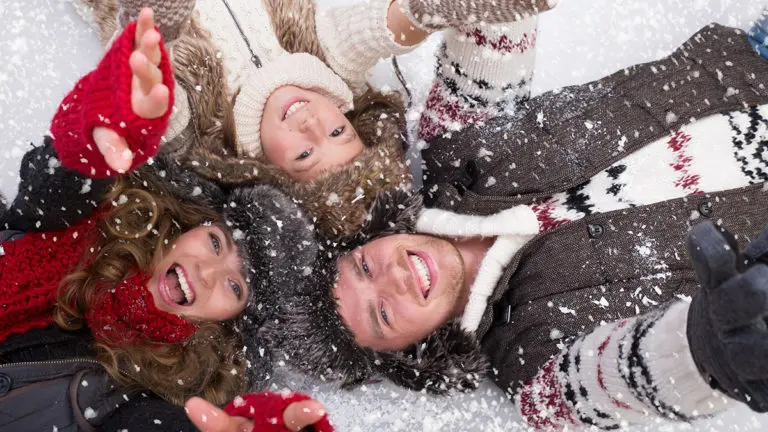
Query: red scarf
[31,269]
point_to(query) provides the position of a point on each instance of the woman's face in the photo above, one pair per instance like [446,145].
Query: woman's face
[201,277]
[305,134]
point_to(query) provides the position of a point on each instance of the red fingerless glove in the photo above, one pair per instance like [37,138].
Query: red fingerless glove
[103,98]
[266,410]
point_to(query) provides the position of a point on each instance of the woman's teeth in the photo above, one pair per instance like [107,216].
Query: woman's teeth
[422,270]
[293,108]
[188,295]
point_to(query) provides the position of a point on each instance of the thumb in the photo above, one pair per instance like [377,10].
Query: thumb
[299,415]
[113,148]
[209,418]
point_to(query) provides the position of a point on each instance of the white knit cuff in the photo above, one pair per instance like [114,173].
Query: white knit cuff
[354,38]
[302,70]
[516,221]
[180,115]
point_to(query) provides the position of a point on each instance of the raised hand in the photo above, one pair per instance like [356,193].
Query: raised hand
[296,416]
[150,97]
[727,330]
[439,14]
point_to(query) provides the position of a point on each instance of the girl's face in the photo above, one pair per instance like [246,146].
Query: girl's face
[201,277]
[305,134]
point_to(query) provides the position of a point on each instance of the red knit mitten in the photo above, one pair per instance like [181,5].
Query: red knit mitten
[266,410]
[103,98]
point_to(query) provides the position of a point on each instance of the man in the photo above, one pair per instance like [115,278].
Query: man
[558,241]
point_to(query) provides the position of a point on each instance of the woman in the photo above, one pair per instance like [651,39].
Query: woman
[331,157]
[163,285]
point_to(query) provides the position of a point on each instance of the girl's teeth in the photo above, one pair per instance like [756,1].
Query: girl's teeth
[293,108]
[184,285]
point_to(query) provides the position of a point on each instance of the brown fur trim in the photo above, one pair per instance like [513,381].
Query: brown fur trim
[105,14]
[294,25]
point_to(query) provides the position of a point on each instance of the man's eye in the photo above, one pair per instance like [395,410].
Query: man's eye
[236,289]
[338,131]
[304,154]
[215,242]
[384,316]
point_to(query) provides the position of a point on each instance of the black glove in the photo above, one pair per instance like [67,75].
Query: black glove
[727,330]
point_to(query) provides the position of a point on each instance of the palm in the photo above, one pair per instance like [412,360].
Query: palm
[149,96]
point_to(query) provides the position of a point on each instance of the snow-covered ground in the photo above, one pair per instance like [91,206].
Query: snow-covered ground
[45,47]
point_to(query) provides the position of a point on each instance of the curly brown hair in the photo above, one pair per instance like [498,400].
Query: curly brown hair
[140,222]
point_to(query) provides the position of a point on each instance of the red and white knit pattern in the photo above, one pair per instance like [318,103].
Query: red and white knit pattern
[481,73]
[719,152]
[631,371]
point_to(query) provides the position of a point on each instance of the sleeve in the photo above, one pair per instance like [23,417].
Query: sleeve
[355,37]
[632,371]
[266,409]
[103,98]
[51,197]
[482,72]
[148,413]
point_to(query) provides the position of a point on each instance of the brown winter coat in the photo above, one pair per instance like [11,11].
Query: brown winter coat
[339,201]
[634,258]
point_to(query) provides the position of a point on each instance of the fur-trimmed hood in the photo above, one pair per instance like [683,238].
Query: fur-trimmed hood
[310,333]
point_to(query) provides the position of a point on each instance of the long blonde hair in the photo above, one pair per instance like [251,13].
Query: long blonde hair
[140,222]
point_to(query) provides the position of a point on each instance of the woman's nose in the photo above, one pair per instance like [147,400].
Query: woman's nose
[311,125]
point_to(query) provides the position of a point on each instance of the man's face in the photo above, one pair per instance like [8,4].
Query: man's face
[395,290]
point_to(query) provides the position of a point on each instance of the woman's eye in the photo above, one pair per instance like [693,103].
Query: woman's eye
[236,289]
[304,155]
[216,243]
[384,316]
[365,267]
[338,131]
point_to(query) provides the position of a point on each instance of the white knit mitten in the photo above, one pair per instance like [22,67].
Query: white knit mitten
[431,15]
[171,16]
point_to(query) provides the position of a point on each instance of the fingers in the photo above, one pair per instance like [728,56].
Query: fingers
[742,300]
[152,105]
[746,352]
[114,148]
[712,254]
[144,23]
[209,418]
[299,415]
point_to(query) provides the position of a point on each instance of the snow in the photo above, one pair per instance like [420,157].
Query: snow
[46,47]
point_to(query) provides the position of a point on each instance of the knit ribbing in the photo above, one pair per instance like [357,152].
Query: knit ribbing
[32,268]
[630,371]
[355,38]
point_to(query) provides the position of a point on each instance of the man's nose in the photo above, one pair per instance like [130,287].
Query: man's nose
[397,275]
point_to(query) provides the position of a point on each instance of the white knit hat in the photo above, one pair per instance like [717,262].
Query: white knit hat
[302,70]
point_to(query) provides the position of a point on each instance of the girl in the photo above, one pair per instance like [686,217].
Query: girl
[293,123]
[163,284]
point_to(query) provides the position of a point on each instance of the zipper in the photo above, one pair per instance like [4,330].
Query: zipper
[254,58]
[59,362]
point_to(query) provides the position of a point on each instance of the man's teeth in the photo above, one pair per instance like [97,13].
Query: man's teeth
[184,285]
[293,108]
[423,272]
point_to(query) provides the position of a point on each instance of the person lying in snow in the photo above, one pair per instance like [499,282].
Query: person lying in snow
[342,142]
[125,295]
[553,256]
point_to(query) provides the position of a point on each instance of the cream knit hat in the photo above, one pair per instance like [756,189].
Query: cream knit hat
[302,70]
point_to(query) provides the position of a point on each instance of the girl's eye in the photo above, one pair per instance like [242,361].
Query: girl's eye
[338,131]
[304,155]
[236,289]
[216,243]
[384,316]
[365,267]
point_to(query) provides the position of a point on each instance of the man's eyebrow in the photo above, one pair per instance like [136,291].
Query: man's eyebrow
[375,321]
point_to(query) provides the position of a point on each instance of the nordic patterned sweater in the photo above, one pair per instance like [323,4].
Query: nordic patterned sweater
[586,383]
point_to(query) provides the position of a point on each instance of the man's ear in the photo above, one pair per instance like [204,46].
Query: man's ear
[448,359]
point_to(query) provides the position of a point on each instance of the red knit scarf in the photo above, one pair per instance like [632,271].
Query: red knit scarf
[31,269]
